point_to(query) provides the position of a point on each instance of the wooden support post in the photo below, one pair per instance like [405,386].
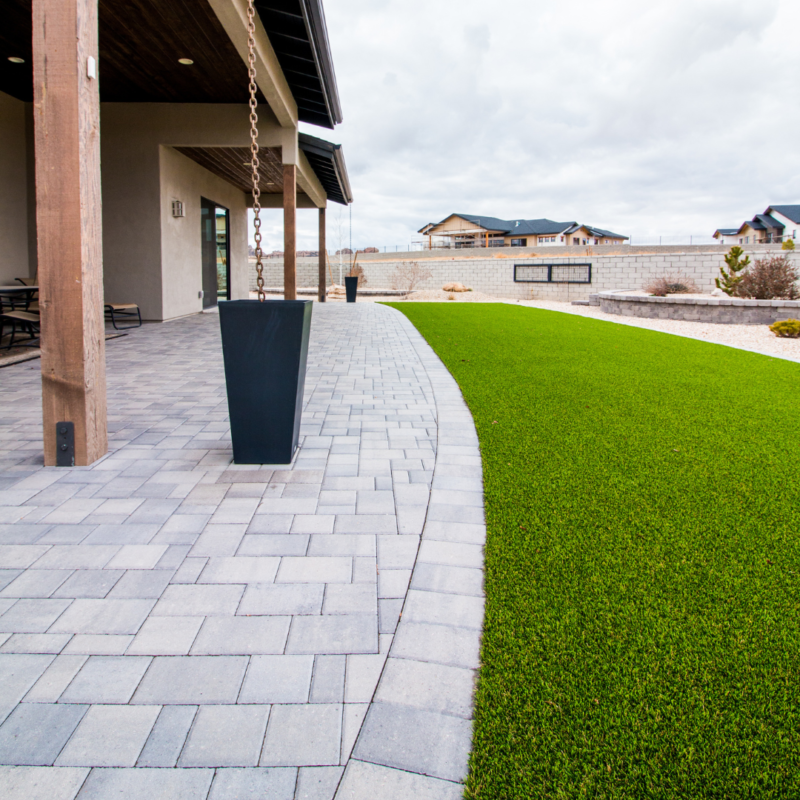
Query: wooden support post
[66,112]
[322,255]
[289,232]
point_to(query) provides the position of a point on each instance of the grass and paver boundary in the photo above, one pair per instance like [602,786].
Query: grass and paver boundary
[642,558]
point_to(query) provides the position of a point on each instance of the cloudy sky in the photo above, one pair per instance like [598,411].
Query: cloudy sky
[670,117]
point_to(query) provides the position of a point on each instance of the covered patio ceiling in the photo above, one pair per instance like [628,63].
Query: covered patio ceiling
[232,164]
[142,40]
[140,44]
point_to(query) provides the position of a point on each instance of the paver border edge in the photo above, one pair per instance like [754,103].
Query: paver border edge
[440,380]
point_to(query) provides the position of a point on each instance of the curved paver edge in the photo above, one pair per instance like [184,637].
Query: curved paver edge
[384,762]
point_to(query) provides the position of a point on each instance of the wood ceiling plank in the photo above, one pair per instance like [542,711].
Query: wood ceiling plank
[232,165]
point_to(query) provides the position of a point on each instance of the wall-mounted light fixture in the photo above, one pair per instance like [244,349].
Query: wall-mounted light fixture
[177,209]
[186,61]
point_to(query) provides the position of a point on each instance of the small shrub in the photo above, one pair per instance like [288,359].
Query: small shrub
[786,328]
[730,280]
[409,276]
[788,244]
[357,272]
[771,278]
[671,284]
[451,297]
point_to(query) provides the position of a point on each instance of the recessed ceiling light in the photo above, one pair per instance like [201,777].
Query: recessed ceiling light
[187,61]
[16,60]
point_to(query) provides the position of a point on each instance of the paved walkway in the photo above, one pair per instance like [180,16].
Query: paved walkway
[176,626]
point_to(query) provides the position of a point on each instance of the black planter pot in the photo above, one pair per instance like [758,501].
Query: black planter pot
[265,347]
[350,288]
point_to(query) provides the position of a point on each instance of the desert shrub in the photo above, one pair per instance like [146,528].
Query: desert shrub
[788,245]
[671,284]
[357,272]
[730,279]
[771,278]
[786,328]
[409,276]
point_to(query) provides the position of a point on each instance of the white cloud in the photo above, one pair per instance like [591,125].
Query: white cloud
[662,117]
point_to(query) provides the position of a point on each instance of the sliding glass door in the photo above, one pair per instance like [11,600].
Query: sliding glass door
[215,252]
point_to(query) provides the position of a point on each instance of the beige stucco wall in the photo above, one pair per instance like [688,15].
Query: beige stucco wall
[182,279]
[13,190]
[149,258]
[140,254]
[131,214]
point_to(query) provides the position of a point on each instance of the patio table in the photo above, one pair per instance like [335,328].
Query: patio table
[11,293]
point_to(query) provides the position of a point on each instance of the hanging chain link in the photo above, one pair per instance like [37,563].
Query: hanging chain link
[251,70]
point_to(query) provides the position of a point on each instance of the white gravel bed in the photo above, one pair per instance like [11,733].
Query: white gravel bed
[758,338]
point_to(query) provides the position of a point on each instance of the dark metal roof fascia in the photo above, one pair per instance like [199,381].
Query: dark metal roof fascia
[332,153]
[341,171]
[314,17]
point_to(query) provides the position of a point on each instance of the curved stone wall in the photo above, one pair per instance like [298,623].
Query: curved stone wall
[725,310]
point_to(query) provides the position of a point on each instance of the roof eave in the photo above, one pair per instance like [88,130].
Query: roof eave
[335,155]
[314,17]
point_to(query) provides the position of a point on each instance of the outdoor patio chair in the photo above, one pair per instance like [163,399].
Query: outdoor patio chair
[114,310]
[27,321]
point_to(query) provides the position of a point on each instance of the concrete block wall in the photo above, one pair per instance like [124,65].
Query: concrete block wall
[623,269]
[307,273]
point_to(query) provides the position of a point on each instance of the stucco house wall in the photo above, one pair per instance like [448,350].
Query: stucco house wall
[14,256]
[146,254]
[182,179]
[149,258]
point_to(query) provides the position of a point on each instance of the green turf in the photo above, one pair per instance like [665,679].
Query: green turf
[642,633]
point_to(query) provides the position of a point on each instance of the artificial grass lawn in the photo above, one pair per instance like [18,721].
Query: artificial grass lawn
[642,631]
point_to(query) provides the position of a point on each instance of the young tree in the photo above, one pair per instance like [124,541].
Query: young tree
[340,236]
[731,279]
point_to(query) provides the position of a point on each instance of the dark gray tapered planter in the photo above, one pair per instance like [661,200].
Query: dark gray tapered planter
[265,347]
[351,288]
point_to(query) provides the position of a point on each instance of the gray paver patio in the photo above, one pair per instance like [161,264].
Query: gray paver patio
[305,632]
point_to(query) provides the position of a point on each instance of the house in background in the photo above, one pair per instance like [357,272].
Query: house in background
[775,225]
[468,230]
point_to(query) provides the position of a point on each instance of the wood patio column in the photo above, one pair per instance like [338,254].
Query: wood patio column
[66,110]
[289,232]
[322,255]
